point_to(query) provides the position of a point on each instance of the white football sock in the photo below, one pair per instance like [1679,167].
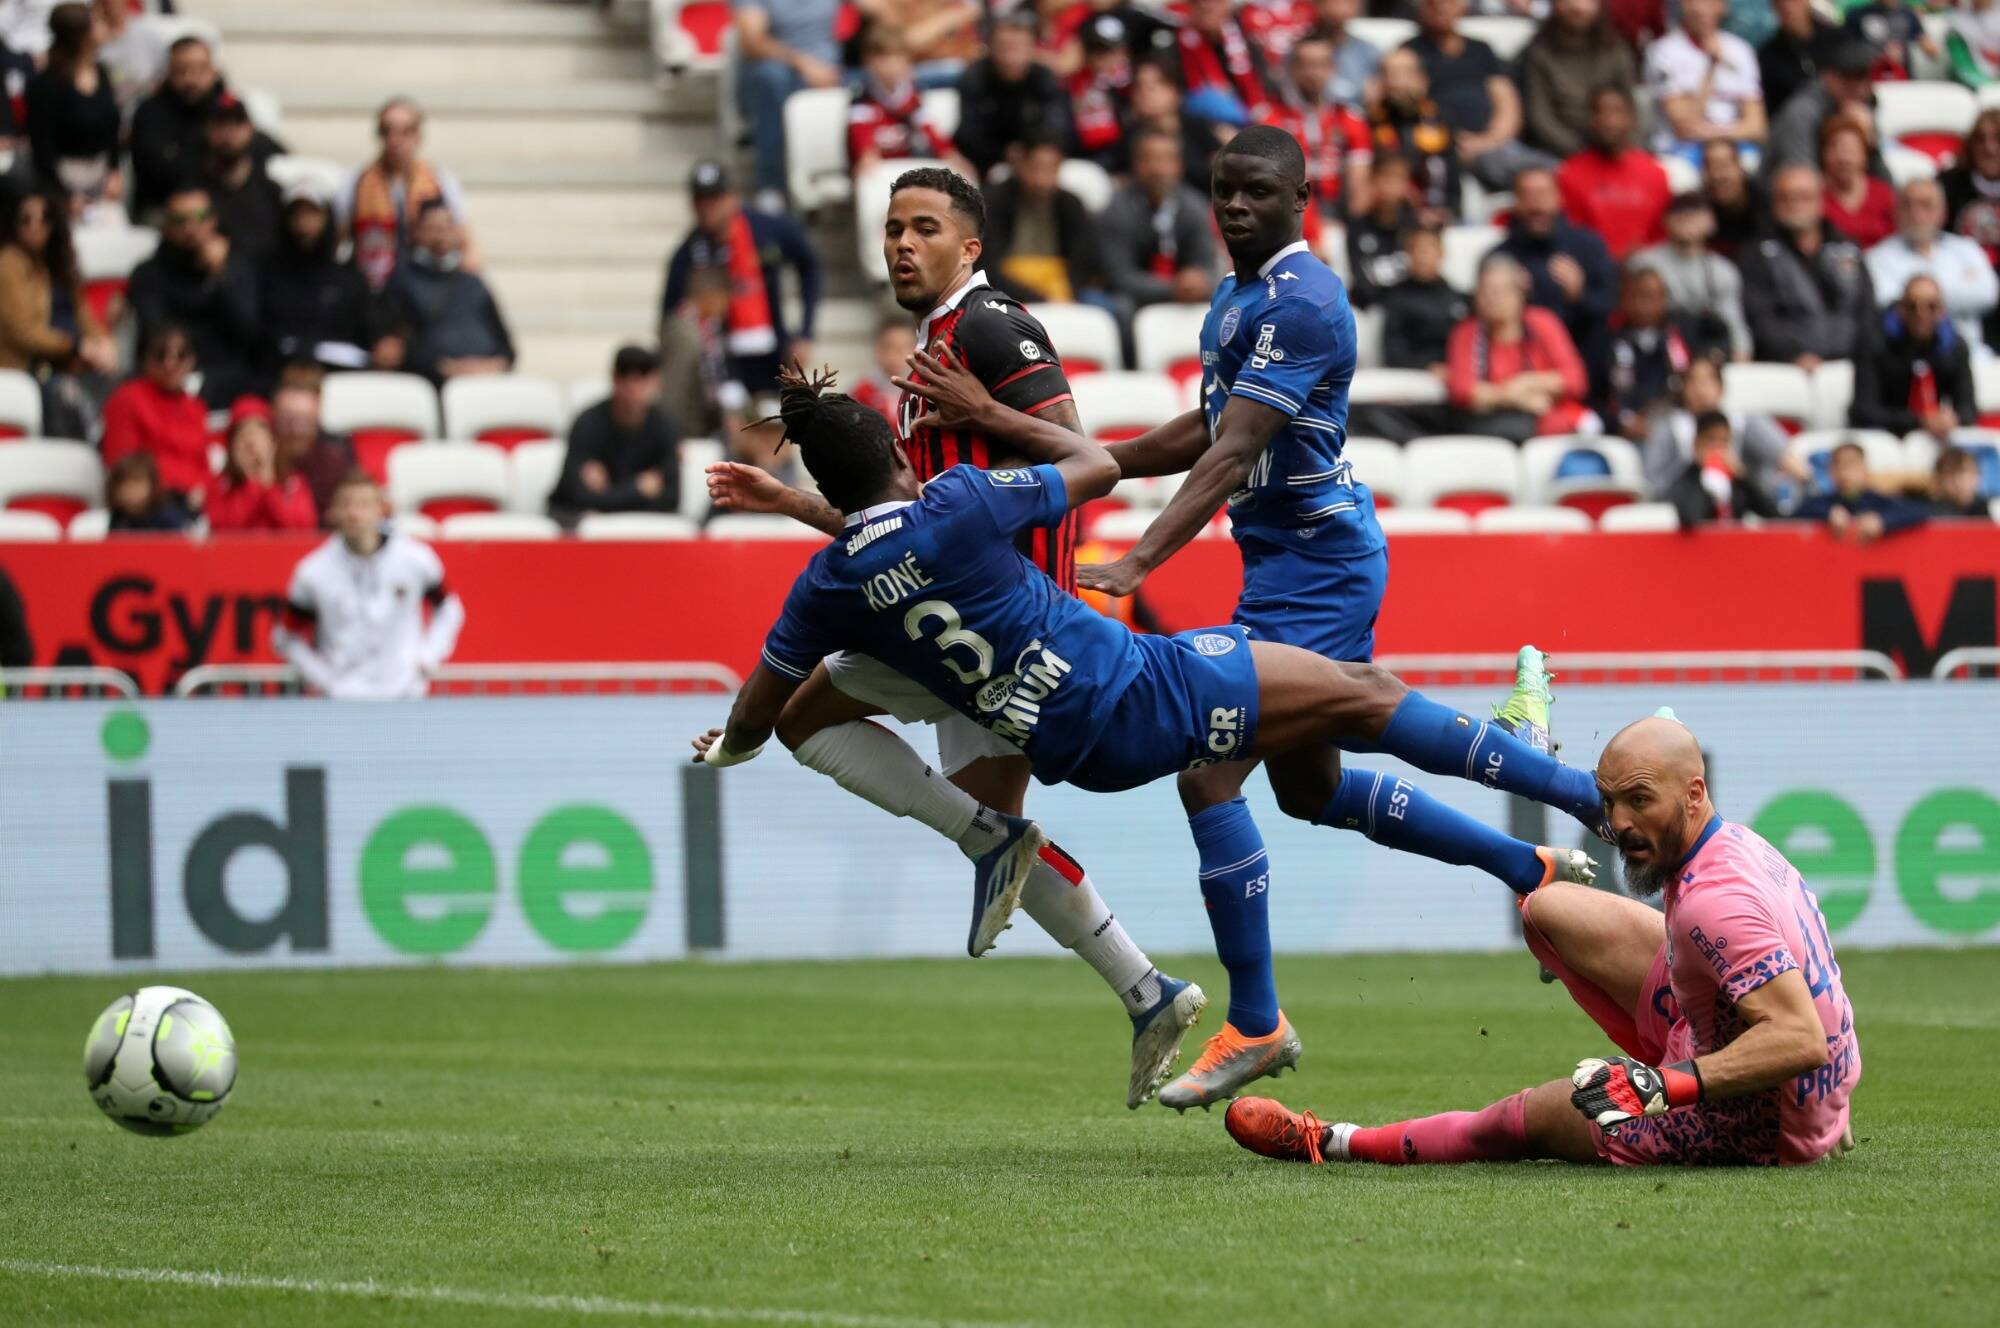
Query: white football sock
[874,764]
[1062,901]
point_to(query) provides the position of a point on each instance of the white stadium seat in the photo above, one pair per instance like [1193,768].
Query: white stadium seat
[91,524]
[532,471]
[1331,250]
[816,147]
[1384,34]
[267,113]
[287,170]
[583,393]
[1905,164]
[503,408]
[760,526]
[1368,324]
[29,527]
[1587,473]
[56,475]
[1389,387]
[1425,521]
[1507,34]
[1884,450]
[1378,463]
[498,526]
[1764,388]
[697,455]
[941,105]
[1115,406]
[170,28]
[1085,336]
[1465,247]
[1682,175]
[1530,521]
[1986,386]
[448,474]
[1931,117]
[109,253]
[20,405]
[1462,470]
[1920,452]
[1088,181]
[1832,393]
[371,400]
[646,526]
[1640,518]
[1167,338]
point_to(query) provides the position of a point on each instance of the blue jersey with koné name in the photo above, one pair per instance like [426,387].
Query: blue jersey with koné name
[1286,340]
[936,590]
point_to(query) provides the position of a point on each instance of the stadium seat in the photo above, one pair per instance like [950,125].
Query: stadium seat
[1378,463]
[1091,184]
[287,170]
[1780,390]
[20,405]
[1930,117]
[90,525]
[1986,391]
[583,393]
[1368,325]
[1425,521]
[416,525]
[1682,175]
[28,527]
[1905,164]
[441,479]
[653,526]
[266,112]
[1832,393]
[1884,451]
[105,257]
[1507,34]
[54,476]
[1530,521]
[1465,247]
[1465,471]
[759,526]
[532,471]
[498,526]
[692,34]
[170,28]
[1384,34]
[941,105]
[1167,339]
[1590,474]
[1640,518]
[1085,336]
[1920,452]
[1116,406]
[1121,525]
[1389,387]
[503,409]
[697,455]
[379,412]
[1331,249]
[816,147]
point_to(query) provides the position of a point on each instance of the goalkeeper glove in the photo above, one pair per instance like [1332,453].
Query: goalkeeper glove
[1611,1091]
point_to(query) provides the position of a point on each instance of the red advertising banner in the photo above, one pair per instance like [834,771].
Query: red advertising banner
[157,606]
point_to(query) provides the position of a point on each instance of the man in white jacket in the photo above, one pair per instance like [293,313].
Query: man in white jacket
[363,594]
[1922,247]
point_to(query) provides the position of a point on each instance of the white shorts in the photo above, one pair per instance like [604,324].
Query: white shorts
[960,741]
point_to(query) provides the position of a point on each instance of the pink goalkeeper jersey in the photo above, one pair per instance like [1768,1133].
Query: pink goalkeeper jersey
[1738,915]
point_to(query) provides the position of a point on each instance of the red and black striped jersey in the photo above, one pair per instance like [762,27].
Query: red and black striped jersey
[1006,346]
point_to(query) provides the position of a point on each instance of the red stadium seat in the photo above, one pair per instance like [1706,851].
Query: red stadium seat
[706,22]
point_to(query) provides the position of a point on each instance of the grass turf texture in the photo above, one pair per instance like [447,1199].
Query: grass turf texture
[929,1142]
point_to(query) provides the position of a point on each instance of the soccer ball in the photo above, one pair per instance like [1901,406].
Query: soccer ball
[160,1061]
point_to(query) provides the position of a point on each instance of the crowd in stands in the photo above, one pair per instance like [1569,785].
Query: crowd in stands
[1578,234]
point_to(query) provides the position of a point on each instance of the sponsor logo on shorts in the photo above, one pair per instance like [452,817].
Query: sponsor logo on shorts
[1214,643]
[1227,328]
[1225,731]
[1014,478]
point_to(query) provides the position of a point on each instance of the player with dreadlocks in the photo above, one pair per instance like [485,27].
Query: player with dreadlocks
[929,582]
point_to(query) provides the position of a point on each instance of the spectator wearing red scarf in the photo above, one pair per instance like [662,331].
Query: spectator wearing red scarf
[1612,187]
[1222,70]
[1337,142]
[1511,370]
[886,120]
[156,414]
[258,489]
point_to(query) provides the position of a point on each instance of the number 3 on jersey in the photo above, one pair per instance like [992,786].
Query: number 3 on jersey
[954,634]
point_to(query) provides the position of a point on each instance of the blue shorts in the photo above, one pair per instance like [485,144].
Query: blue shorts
[1193,702]
[1325,605]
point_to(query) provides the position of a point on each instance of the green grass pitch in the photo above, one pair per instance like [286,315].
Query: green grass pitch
[885,1144]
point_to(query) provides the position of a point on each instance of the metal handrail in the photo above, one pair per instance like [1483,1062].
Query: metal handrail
[106,680]
[211,678]
[1965,657]
[1865,662]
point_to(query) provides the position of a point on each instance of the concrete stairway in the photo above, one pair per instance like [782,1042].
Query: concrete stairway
[573,159]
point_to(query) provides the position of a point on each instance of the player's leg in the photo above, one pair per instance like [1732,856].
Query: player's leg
[1536,1122]
[1235,876]
[1604,949]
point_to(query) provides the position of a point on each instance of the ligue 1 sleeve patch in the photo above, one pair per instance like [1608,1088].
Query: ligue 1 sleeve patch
[1013,479]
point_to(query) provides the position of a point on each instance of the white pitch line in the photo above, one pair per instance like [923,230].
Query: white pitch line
[490,1300]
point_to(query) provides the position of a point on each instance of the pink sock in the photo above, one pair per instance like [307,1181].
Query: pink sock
[1609,1015]
[1497,1134]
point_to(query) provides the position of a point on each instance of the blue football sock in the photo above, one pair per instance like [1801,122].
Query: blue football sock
[1440,741]
[1235,884]
[1396,813]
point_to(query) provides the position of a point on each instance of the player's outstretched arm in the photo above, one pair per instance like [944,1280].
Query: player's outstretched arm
[751,719]
[1171,449]
[1245,429]
[735,487]
[958,399]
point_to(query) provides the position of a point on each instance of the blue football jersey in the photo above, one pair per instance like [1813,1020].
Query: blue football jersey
[1286,340]
[936,590]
